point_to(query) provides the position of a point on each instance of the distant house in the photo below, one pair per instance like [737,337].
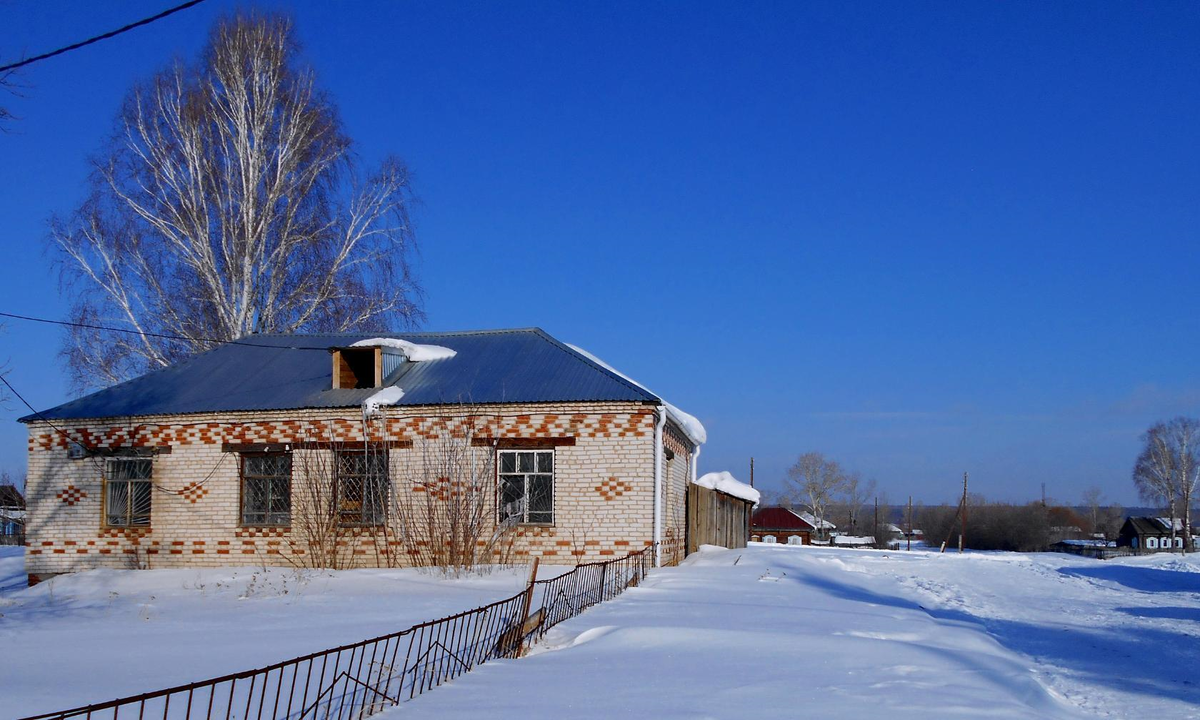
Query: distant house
[12,516]
[780,524]
[1151,534]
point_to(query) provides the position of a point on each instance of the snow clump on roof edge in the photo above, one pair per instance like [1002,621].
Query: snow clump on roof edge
[413,351]
[691,426]
[387,396]
[725,482]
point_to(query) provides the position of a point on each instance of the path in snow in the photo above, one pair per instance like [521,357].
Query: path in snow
[792,632]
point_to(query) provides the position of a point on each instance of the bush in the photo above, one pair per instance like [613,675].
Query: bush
[994,526]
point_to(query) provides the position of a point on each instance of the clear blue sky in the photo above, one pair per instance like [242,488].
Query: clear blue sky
[920,237]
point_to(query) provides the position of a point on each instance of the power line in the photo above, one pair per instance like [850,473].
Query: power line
[163,336]
[70,440]
[98,38]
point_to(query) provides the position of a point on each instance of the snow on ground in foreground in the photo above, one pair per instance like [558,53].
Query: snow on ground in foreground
[822,632]
[769,630]
[103,634]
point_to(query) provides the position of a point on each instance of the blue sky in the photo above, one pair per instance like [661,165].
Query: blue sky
[922,238]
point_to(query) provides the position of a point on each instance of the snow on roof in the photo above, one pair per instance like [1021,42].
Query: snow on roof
[824,524]
[853,540]
[725,482]
[387,396]
[690,425]
[1088,543]
[411,350]
[1166,523]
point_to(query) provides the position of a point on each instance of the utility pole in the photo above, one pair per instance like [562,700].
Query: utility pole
[1043,494]
[751,471]
[876,519]
[908,535]
[963,532]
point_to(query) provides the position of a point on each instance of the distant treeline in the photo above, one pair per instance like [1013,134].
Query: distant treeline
[1021,528]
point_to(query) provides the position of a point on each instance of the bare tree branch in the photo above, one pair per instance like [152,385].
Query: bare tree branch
[227,202]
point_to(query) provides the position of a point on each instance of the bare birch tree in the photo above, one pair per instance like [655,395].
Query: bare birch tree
[9,86]
[1183,438]
[1091,500]
[1155,474]
[227,202]
[813,481]
[855,492]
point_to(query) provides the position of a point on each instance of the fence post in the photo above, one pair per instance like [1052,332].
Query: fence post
[525,605]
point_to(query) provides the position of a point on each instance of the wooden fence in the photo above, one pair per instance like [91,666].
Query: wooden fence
[715,518]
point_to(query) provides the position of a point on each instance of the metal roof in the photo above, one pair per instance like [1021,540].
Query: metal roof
[282,372]
[778,518]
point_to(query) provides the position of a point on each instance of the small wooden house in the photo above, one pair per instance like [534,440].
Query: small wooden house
[781,523]
[1151,534]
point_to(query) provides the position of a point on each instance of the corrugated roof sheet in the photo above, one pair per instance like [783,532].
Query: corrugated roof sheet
[778,518]
[491,366]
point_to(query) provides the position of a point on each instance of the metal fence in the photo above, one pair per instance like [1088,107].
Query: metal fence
[358,680]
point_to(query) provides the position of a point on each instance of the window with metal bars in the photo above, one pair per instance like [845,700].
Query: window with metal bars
[527,485]
[361,485]
[127,487]
[267,489]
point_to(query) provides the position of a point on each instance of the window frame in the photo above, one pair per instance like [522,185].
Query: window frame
[243,477]
[106,502]
[500,479]
[372,450]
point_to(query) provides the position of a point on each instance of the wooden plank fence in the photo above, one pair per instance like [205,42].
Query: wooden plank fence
[715,518]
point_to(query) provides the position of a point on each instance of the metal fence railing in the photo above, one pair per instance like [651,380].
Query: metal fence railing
[355,681]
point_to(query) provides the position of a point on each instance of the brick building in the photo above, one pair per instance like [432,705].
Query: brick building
[211,461]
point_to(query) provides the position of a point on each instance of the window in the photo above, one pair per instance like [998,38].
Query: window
[527,485]
[362,486]
[1152,543]
[127,492]
[1179,542]
[267,489]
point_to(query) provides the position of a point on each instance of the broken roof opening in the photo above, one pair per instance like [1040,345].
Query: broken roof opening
[357,368]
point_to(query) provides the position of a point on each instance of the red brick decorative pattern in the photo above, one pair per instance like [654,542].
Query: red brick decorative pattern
[581,425]
[71,495]
[192,492]
[613,488]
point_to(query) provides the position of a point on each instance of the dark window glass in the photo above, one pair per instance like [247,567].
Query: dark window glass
[362,486]
[267,489]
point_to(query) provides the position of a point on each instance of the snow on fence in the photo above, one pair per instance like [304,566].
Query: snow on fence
[358,680]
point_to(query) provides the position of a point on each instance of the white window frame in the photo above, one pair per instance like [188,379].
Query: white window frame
[500,479]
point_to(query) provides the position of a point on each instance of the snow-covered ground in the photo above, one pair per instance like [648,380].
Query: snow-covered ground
[778,630]
[105,634]
[786,631]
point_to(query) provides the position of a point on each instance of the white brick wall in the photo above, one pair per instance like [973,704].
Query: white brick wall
[603,484]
